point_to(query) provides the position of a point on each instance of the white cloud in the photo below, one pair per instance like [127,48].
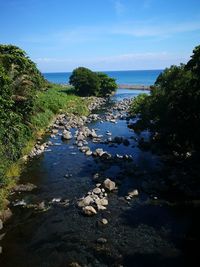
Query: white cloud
[148,60]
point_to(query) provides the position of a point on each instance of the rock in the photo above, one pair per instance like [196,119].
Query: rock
[102,240]
[56,200]
[100,207]
[101,202]
[67,136]
[54,131]
[41,206]
[0,250]
[99,152]
[133,193]
[20,203]
[5,214]
[89,210]
[104,221]
[98,185]
[96,190]
[88,153]
[86,201]
[108,184]
[24,187]
[1,224]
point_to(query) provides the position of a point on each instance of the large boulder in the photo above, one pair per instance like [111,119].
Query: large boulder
[85,201]
[89,210]
[109,185]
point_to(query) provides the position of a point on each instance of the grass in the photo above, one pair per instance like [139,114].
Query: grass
[47,105]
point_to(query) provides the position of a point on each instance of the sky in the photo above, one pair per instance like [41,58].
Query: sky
[60,35]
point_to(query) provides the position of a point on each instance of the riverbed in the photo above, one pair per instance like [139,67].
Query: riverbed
[142,231]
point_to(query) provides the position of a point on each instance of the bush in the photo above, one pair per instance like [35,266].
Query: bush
[85,81]
[88,83]
[173,109]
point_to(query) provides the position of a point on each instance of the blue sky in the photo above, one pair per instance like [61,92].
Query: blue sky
[60,35]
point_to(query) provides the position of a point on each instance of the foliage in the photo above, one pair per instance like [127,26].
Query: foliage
[107,84]
[88,83]
[173,109]
[85,81]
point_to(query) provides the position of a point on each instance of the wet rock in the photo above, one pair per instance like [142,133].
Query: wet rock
[24,187]
[85,201]
[1,224]
[88,153]
[20,203]
[67,135]
[104,221]
[100,207]
[54,131]
[109,185]
[102,240]
[89,210]
[41,206]
[84,149]
[96,190]
[133,193]
[1,250]
[56,200]
[101,202]
[5,214]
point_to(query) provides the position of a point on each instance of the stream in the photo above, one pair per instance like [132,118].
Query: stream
[141,231]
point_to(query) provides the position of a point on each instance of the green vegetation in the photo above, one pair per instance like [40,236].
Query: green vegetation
[28,103]
[172,110]
[89,83]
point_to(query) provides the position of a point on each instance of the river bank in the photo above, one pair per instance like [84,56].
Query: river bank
[130,222]
[46,108]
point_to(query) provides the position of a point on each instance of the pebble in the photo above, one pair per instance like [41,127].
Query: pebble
[102,240]
[104,221]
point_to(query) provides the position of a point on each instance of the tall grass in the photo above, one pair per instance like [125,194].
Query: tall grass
[47,105]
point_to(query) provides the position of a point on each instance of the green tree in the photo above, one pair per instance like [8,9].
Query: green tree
[107,85]
[173,109]
[85,81]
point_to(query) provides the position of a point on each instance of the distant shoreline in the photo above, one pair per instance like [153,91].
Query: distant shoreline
[134,86]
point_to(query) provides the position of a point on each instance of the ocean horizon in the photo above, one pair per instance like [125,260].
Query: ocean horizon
[128,77]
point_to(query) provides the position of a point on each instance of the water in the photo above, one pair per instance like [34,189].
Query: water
[132,77]
[143,232]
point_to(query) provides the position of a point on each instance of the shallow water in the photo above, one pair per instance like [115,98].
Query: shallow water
[142,232]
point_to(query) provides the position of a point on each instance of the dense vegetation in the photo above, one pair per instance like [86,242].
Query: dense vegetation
[28,103]
[172,110]
[89,83]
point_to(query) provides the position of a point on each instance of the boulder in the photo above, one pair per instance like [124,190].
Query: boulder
[97,190]
[101,202]
[104,221]
[89,210]
[133,193]
[85,202]
[67,135]
[109,185]
[88,153]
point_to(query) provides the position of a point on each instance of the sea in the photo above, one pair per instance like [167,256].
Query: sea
[128,77]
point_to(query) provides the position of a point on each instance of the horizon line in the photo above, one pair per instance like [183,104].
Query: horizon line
[104,70]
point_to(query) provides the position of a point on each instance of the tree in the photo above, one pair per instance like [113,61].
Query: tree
[85,81]
[107,84]
[173,109]
[88,83]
